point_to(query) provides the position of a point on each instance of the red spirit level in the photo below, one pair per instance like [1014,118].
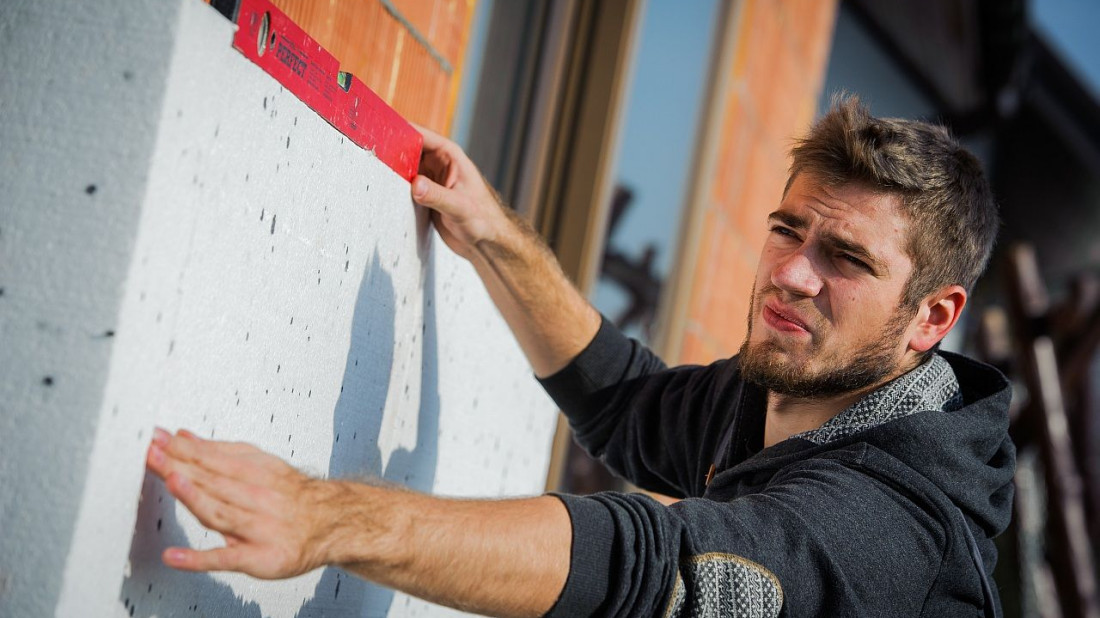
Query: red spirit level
[266,36]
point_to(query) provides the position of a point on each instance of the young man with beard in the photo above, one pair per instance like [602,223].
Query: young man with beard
[838,466]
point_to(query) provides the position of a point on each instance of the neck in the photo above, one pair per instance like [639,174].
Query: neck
[788,416]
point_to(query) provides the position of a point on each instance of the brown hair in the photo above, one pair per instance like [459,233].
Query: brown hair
[952,215]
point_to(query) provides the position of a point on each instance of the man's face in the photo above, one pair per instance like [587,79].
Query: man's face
[825,316]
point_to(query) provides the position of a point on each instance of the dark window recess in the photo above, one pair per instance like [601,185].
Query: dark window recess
[227,8]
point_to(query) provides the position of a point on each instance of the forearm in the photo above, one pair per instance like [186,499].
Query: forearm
[501,558]
[549,317]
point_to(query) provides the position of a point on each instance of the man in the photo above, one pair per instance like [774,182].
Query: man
[838,466]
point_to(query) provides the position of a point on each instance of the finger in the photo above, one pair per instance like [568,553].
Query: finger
[253,560]
[428,193]
[432,140]
[441,158]
[226,473]
[220,559]
[154,461]
[233,493]
[232,459]
[437,152]
[229,491]
[224,446]
[159,462]
[163,462]
[245,480]
[210,511]
[440,166]
[162,438]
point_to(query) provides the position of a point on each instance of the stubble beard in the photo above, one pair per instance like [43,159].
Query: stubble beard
[766,364]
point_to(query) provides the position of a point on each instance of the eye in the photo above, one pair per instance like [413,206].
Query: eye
[783,231]
[855,261]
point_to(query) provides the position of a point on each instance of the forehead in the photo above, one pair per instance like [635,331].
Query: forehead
[852,212]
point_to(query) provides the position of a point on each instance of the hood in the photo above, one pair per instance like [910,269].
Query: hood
[967,452]
[964,449]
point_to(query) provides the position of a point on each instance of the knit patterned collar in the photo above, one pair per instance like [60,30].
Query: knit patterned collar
[931,386]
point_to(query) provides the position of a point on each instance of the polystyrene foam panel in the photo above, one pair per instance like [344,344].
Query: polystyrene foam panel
[279,287]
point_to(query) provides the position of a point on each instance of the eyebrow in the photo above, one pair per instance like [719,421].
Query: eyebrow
[796,222]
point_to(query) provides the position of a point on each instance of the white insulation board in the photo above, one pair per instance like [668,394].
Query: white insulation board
[198,249]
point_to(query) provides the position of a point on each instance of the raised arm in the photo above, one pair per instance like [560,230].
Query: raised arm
[549,317]
[616,392]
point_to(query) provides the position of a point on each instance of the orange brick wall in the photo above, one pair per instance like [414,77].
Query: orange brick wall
[773,86]
[373,44]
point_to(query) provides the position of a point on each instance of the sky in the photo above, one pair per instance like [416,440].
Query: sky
[658,133]
[1071,27]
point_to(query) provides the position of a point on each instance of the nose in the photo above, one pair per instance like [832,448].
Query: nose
[796,274]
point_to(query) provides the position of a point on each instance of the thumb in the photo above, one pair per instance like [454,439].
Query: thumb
[429,193]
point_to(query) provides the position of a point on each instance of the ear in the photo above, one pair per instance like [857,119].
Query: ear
[936,316]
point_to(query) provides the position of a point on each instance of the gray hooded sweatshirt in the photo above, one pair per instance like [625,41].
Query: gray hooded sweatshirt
[888,509]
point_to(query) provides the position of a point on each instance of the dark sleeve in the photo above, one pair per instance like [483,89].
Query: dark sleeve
[657,427]
[820,541]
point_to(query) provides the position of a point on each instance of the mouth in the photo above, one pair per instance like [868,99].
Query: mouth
[783,320]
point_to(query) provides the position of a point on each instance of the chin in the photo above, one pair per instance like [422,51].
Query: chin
[814,376]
